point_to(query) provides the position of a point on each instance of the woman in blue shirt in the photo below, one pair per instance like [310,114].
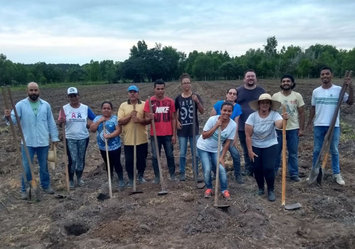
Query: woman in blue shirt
[111,133]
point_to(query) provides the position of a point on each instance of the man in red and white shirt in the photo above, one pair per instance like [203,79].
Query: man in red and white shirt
[164,115]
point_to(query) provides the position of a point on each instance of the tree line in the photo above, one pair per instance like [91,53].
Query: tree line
[148,64]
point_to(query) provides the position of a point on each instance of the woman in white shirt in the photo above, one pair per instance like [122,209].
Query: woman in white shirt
[262,142]
[207,147]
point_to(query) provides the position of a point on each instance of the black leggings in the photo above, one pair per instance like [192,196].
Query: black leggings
[142,152]
[115,162]
[264,166]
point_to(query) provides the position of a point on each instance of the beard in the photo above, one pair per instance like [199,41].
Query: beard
[33,97]
[285,87]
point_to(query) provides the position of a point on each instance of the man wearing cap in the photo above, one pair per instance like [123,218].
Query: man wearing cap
[249,91]
[324,102]
[294,105]
[164,115]
[38,126]
[134,130]
[77,118]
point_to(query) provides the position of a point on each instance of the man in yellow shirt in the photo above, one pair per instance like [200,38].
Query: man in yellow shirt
[130,117]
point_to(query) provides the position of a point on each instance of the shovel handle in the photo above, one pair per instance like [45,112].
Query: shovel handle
[217,167]
[134,153]
[108,161]
[283,187]
[66,160]
[156,145]
[33,182]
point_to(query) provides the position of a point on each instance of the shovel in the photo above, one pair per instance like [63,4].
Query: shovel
[283,184]
[66,160]
[163,190]
[134,191]
[199,185]
[216,203]
[33,185]
[13,133]
[108,163]
[319,166]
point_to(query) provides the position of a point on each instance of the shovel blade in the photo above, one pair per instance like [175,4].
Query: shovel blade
[313,175]
[200,185]
[222,206]
[320,176]
[163,192]
[293,206]
[135,192]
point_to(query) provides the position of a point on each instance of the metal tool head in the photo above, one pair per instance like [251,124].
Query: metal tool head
[163,192]
[224,207]
[135,192]
[293,206]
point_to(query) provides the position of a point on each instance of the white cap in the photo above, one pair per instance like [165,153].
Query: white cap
[72,90]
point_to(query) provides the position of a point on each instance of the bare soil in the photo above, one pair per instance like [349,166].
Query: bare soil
[182,218]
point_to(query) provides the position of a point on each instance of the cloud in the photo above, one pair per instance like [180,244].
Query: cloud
[77,31]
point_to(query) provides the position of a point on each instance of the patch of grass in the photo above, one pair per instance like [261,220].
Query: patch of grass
[347,132]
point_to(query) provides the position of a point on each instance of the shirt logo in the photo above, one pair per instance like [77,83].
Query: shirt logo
[162,109]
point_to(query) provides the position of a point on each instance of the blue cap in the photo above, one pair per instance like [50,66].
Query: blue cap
[133,88]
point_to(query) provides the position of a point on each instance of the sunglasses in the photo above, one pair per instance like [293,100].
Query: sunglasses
[72,95]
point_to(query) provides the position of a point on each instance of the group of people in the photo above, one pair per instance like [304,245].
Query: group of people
[248,115]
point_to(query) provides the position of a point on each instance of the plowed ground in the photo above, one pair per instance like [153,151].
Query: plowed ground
[182,218]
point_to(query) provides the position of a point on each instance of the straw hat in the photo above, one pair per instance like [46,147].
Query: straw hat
[265,96]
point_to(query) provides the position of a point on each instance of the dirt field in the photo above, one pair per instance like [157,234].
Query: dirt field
[183,218]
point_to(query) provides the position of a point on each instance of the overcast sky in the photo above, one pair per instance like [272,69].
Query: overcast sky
[76,31]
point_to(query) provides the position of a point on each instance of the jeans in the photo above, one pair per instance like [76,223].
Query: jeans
[264,166]
[164,141]
[115,162]
[243,143]
[209,163]
[42,154]
[236,159]
[76,156]
[292,148]
[183,151]
[319,133]
[142,152]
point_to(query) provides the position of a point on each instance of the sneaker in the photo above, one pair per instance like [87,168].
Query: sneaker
[130,184]
[24,196]
[295,178]
[271,195]
[80,182]
[182,178]
[141,179]
[71,184]
[261,191]
[49,190]
[172,178]
[156,180]
[208,193]
[121,184]
[339,179]
[226,194]
[239,179]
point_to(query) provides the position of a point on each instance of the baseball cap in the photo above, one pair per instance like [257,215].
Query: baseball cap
[72,90]
[133,88]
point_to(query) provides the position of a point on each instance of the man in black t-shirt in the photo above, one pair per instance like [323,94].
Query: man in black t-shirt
[249,91]
[185,104]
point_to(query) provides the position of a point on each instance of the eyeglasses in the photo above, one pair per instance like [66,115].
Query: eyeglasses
[232,93]
[72,95]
